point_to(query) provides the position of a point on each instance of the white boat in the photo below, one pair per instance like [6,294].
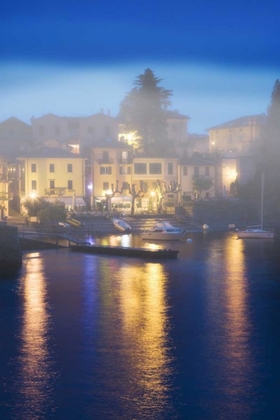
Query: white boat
[121,225]
[257,232]
[163,231]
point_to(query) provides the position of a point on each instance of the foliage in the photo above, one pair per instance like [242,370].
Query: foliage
[52,214]
[200,184]
[34,205]
[144,110]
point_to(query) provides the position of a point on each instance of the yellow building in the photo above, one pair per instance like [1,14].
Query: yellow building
[156,178]
[111,170]
[241,136]
[198,166]
[55,175]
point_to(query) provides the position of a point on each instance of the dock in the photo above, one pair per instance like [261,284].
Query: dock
[126,251]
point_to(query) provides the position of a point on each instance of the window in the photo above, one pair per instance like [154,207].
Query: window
[90,130]
[41,130]
[170,168]
[105,186]
[105,156]
[230,138]
[33,167]
[196,170]
[70,185]
[51,167]
[73,128]
[57,130]
[105,170]
[155,168]
[34,185]
[140,168]
[52,183]
[69,167]
[185,170]
[107,131]
[174,128]
[125,185]
[207,171]
[125,170]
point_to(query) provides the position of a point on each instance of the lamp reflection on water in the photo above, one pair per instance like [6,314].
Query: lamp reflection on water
[230,317]
[144,316]
[35,359]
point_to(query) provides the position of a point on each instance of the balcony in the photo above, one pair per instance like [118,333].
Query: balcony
[123,161]
[107,161]
[58,191]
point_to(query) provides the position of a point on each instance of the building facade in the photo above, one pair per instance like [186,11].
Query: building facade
[54,175]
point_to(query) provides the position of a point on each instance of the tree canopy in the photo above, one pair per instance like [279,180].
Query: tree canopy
[143,110]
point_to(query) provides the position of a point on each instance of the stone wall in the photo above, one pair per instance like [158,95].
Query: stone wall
[10,249]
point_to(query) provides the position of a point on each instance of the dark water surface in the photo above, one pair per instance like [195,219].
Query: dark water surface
[99,337]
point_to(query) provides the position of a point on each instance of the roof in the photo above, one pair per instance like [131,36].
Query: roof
[75,119]
[14,120]
[259,119]
[50,152]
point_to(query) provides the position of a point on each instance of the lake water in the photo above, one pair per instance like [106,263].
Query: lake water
[99,337]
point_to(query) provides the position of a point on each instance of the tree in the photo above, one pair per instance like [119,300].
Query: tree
[136,194]
[200,184]
[272,135]
[52,214]
[163,189]
[33,205]
[143,110]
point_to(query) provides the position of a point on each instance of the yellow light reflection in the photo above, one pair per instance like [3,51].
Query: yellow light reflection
[143,306]
[35,355]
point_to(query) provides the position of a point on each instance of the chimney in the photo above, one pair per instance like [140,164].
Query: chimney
[109,113]
[101,110]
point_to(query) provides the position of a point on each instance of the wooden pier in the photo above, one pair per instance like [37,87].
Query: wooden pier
[126,252]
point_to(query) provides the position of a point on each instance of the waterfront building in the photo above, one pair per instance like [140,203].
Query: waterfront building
[111,173]
[15,137]
[77,132]
[200,167]
[55,175]
[241,136]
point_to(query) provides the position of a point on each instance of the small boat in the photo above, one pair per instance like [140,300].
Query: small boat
[121,225]
[257,232]
[163,231]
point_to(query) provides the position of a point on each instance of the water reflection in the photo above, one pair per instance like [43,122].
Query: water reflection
[229,304]
[35,362]
[144,328]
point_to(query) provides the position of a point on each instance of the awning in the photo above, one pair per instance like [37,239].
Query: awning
[68,201]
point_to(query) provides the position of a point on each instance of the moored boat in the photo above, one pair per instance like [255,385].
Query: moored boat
[121,225]
[257,232]
[163,231]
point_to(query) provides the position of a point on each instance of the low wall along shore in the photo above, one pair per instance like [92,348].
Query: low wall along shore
[10,249]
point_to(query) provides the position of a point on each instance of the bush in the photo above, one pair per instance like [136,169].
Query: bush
[52,214]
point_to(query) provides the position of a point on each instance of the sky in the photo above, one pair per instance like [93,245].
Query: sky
[74,58]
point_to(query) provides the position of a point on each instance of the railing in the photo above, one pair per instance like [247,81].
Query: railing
[55,191]
[107,161]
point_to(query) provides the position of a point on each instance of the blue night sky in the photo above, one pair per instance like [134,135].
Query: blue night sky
[73,58]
